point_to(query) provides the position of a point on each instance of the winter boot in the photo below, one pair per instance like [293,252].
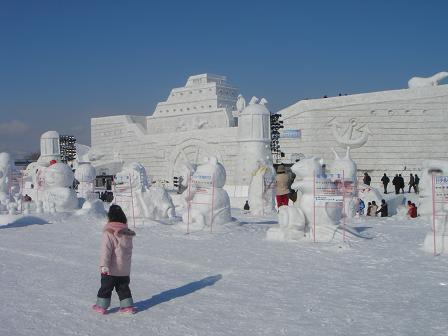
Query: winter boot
[99,309]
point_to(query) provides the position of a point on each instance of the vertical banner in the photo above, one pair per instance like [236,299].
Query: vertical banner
[439,198]
[201,191]
[328,188]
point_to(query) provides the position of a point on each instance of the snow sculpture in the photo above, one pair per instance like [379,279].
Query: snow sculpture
[254,139]
[343,173]
[253,101]
[85,174]
[49,148]
[92,208]
[58,195]
[262,189]
[327,216]
[5,171]
[133,194]
[345,134]
[426,207]
[416,82]
[292,225]
[209,203]
[240,103]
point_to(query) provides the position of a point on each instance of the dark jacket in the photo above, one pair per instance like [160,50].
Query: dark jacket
[385,179]
[383,210]
[367,179]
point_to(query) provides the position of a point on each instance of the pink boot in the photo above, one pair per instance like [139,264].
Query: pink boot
[99,309]
[128,310]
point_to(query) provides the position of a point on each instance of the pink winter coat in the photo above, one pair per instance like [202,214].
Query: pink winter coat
[116,248]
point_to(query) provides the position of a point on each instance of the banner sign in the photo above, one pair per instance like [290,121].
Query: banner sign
[202,183]
[441,188]
[290,133]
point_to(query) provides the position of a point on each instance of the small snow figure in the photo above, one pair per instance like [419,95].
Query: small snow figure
[57,193]
[292,225]
[115,263]
[206,190]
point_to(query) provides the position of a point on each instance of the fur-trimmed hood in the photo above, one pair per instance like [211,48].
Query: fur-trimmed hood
[117,228]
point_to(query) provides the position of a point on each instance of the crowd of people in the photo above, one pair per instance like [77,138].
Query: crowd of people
[284,192]
[373,209]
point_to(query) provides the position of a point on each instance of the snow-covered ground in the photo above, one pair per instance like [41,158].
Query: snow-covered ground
[230,282]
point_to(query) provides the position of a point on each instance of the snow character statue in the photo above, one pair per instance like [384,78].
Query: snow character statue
[342,171]
[5,171]
[292,225]
[132,189]
[208,201]
[85,174]
[262,189]
[58,195]
[115,263]
[328,215]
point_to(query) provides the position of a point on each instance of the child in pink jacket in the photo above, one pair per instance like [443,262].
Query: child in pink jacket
[115,262]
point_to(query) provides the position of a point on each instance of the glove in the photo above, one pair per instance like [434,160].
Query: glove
[104,270]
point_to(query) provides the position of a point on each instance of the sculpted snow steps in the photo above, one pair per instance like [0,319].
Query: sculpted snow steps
[137,198]
[58,196]
[416,82]
[209,203]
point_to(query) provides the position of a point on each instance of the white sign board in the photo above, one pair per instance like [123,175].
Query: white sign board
[291,133]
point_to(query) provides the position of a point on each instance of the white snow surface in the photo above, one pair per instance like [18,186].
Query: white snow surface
[229,282]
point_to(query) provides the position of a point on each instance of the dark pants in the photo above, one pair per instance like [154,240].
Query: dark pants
[120,283]
[385,188]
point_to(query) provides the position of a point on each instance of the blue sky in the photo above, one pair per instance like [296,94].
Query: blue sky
[63,62]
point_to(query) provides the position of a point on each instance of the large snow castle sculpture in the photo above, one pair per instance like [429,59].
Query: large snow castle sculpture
[137,198]
[208,202]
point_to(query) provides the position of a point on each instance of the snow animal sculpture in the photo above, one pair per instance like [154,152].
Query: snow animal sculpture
[57,193]
[209,203]
[342,171]
[416,82]
[133,194]
[5,171]
[327,216]
[262,189]
[292,225]
[425,208]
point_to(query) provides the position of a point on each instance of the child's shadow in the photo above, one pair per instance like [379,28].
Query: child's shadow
[177,292]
